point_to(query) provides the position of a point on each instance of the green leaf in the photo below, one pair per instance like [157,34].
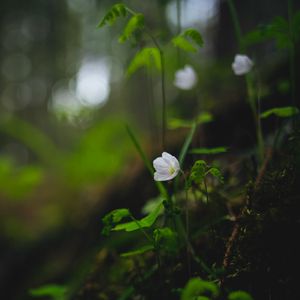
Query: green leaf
[182,43]
[146,161]
[216,173]
[166,238]
[239,295]
[183,40]
[114,217]
[138,251]
[209,151]
[135,23]
[56,292]
[195,36]
[117,215]
[198,172]
[204,117]
[116,11]
[278,30]
[195,288]
[148,58]
[145,222]
[282,112]
[175,123]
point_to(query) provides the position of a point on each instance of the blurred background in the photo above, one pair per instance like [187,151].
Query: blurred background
[65,99]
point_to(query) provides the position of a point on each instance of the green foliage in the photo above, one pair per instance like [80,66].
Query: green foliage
[208,151]
[296,25]
[138,251]
[135,23]
[113,218]
[92,157]
[239,295]
[118,10]
[215,172]
[282,112]
[145,222]
[204,117]
[279,30]
[54,291]
[32,137]
[199,289]
[17,183]
[146,161]
[166,239]
[183,42]
[198,172]
[148,58]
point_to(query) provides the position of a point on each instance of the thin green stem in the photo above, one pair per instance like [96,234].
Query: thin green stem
[148,237]
[292,54]
[260,138]
[178,11]
[206,191]
[163,89]
[164,110]
[236,24]
[251,95]
[187,224]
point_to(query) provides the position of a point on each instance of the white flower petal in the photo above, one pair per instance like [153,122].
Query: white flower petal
[160,163]
[185,78]
[242,64]
[161,177]
[166,167]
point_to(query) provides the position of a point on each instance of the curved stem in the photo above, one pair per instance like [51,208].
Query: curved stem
[187,224]
[206,192]
[292,56]
[236,24]
[252,99]
[178,11]
[163,90]
[148,237]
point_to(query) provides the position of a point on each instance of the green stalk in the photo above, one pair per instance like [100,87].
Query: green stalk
[292,54]
[148,237]
[187,225]
[163,90]
[178,11]
[206,191]
[251,96]
[236,23]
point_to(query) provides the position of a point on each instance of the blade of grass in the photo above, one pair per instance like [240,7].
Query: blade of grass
[187,143]
[146,161]
[184,150]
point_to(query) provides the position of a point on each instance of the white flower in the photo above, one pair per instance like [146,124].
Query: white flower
[242,64]
[185,78]
[166,167]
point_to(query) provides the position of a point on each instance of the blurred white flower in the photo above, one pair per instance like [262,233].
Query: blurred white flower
[166,167]
[242,64]
[185,78]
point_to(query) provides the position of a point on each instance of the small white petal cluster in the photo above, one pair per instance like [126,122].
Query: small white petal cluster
[185,78]
[242,64]
[166,167]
